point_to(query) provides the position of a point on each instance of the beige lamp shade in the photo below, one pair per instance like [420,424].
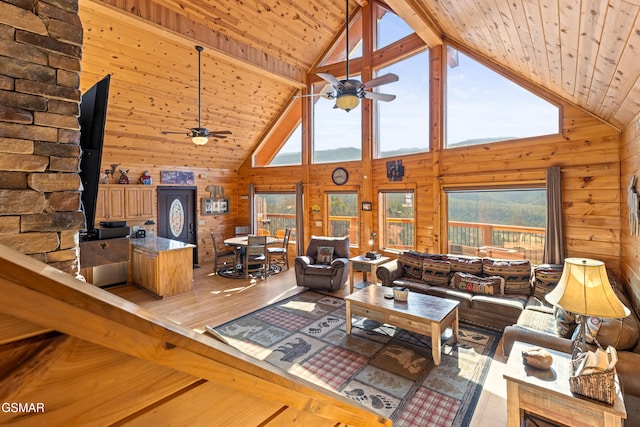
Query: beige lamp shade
[585,289]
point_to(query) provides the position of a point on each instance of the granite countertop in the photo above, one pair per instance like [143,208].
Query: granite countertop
[159,244]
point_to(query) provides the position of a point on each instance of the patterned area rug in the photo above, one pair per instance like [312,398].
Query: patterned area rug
[383,367]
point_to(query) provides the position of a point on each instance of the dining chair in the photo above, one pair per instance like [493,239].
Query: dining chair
[256,257]
[222,257]
[281,254]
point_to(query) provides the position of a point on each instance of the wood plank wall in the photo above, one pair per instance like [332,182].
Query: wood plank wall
[630,245]
[222,224]
[587,150]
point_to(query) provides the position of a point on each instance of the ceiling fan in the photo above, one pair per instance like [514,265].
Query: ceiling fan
[348,92]
[200,135]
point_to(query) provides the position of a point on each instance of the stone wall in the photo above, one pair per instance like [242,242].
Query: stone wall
[40,53]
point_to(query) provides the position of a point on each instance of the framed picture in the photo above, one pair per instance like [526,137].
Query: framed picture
[211,206]
[367,206]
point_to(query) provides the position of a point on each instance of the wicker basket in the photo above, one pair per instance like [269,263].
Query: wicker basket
[599,386]
[400,293]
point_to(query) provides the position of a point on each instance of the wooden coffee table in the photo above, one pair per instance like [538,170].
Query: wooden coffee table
[423,314]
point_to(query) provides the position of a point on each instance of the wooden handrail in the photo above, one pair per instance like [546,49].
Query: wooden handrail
[45,296]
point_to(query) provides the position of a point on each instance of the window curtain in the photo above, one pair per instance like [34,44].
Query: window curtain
[554,250]
[252,209]
[299,219]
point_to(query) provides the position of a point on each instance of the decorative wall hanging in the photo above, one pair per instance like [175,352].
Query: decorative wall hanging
[632,204]
[214,206]
[177,177]
[395,170]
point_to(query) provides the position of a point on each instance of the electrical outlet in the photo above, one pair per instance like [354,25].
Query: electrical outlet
[318,223]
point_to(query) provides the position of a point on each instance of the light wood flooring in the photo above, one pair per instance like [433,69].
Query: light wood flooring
[215,300]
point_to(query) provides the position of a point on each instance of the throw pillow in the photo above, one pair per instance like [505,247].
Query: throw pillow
[545,278]
[465,264]
[325,255]
[478,285]
[516,274]
[411,263]
[436,272]
[565,322]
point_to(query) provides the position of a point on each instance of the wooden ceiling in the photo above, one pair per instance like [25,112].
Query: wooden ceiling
[257,54]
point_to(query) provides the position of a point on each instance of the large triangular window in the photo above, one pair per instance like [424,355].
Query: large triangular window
[482,106]
[390,27]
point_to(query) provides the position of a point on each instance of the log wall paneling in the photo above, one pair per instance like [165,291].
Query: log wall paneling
[630,244]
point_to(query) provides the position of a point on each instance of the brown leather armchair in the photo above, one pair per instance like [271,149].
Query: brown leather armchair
[319,272]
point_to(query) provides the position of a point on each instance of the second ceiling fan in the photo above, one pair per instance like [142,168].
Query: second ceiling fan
[348,92]
[200,135]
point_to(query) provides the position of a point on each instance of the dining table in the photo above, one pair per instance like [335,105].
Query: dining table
[241,243]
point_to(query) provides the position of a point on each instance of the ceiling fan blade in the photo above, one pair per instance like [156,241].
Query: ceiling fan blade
[220,132]
[382,80]
[167,132]
[331,79]
[379,96]
[326,95]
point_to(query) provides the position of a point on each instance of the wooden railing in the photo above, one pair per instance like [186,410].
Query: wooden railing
[88,357]
[499,241]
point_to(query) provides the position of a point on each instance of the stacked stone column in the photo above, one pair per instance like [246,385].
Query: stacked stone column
[40,188]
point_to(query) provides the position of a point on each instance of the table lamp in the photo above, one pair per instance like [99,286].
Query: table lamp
[584,289]
[372,253]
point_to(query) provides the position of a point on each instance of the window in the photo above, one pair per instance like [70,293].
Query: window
[337,134]
[397,220]
[291,152]
[507,224]
[391,27]
[275,212]
[403,124]
[482,106]
[343,216]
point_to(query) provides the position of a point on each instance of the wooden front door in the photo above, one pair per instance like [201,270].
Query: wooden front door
[177,218]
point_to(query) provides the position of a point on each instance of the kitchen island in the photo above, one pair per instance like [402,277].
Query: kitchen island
[162,266]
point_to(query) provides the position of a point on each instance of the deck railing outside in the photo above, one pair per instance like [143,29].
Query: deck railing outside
[465,238]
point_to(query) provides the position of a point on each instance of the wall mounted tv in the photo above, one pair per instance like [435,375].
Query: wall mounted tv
[93,117]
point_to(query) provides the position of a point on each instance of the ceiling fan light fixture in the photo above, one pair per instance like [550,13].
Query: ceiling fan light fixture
[199,139]
[347,101]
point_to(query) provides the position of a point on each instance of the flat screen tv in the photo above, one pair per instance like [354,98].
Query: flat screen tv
[93,117]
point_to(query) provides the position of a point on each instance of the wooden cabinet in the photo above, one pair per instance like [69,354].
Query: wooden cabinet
[144,271]
[139,202]
[110,203]
[119,202]
[162,266]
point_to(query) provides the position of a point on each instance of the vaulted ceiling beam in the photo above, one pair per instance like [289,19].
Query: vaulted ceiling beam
[413,13]
[231,50]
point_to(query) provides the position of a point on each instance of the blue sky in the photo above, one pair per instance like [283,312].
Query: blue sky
[479,104]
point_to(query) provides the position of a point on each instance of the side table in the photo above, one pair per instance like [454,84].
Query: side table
[366,265]
[546,393]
